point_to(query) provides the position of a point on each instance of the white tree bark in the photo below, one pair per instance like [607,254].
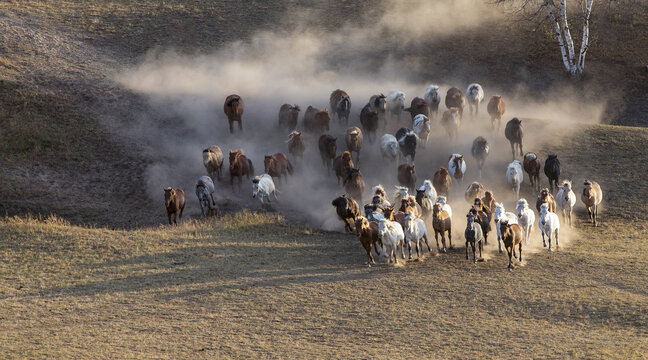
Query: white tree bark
[563,33]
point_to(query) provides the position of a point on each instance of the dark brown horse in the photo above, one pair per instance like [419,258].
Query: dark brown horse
[455,99]
[340,105]
[296,145]
[240,165]
[513,133]
[347,210]
[233,108]
[418,106]
[512,236]
[354,184]
[288,115]
[277,165]
[328,148]
[174,199]
[316,120]
[407,176]
[369,122]
[342,164]
[442,181]
[531,164]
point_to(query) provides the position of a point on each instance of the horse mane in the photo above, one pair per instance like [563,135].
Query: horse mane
[566,183]
[587,183]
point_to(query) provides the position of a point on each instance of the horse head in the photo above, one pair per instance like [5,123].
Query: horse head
[169,194]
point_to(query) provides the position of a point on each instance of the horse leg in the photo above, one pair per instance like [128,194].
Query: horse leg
[212,198]
[499,240]
[544,243]
[595,214]
[513,150]
[240,125]
[510,267]
[450,238]
[169,215]
[426,243]
[589,214]
[466,249]
[521,150]
[231,127]
[436,237]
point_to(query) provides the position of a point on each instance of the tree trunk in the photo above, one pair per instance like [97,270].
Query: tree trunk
[565,42]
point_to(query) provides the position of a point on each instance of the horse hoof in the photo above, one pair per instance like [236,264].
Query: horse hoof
[501,251]
[551,249]
[510,269]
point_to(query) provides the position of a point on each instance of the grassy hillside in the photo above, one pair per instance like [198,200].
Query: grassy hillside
[253,285]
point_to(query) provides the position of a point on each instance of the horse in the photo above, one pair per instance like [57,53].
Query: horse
[433,98]
[391,234]
[347,210]
[457,167]
[240,165]
[513,133]
[205,193]
[277,165]
[552,169]
[369,122]
[263,186]
[488,201]
[442,181]
[316,120]
[442,223]
[296,145]
[549,224]
[496,108]
[354,183]
[407,176]
[402,192]
[233,108]
[395,103]
[379,191]
[512,236]
[288,115]
[378,104]
[409,204]
[515,176]
[451,120]
[418,106]
[455,99]
[526,218]
[474,190]
[592,197]
[501,215]
[444,204]
[475,96]
[474,237]
[426,203]
[340,105]
[531,165]
[421,127]
[565,200]
[353,139]
[367,232]
[342,164]
[546,197]
[327,148]
[389,147]
[174,199]
[213,161]
[480,151]
[415,230]
[407,143]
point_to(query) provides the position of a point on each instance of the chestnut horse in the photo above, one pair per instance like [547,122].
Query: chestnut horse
[546,197]
[233,108]
[442,181]
[174,199]
[288,115]
[296,145]
[239,165]
[277,165]
[316,120]
[531,165]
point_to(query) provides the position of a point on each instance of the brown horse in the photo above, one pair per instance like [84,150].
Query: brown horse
[496,109]
[277,165]
[213,162]
[296,145]
[174,199]
[531,165]
[288,115]
[342,164]
[353,139]
[354,183]
[442,181]
[512,236]
[441,222]
[240,165]
[407,176]
[368,235]
[418,106]
[233,108]
[316,120]
[340,105]
[347,210]
[474,190]
[513,133]
[592,197]
[455,99]
[451,120]
[327,148]
[546,197]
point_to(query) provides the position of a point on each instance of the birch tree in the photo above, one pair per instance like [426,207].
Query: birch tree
[558,15]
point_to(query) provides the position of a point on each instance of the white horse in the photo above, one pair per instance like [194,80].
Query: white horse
[474,96]
[549,224]
[422,128]
[389,147]
[433,98]
[263,186]
[415,230]
[401,193]
[457,167]
[395,103]
[515,176]
[566,199]
[526,218]
[430,191]
[205,191]
[502,215]
[391,234]
[444,205]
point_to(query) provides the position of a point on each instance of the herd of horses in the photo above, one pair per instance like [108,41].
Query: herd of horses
[403,221]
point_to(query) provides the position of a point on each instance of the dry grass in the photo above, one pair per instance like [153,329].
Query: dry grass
[251,285]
